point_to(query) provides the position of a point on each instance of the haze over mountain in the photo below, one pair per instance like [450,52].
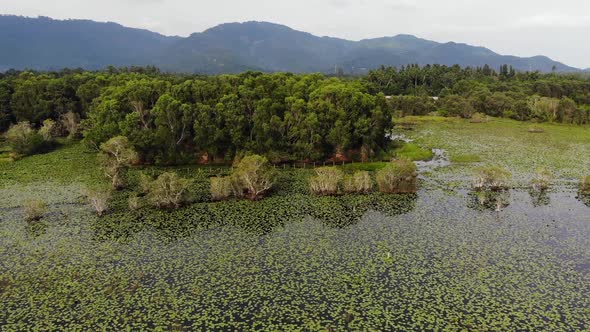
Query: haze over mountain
[44,43]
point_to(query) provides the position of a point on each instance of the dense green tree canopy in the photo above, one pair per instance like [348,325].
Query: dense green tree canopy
[173,118]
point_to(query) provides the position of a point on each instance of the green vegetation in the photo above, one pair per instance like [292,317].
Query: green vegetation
[585,185]
[308,248]
[413,152]
[168,191]
[399,176]
[116,155]
[543,179]
[34,210]
[253,176]
[214,265]
[491,178]
[359,182]
[221,188]
[326,181]
[24,140]
[98,200]
[508,144]
[465,158]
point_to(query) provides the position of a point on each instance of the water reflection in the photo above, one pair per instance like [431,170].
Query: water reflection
[584,198]
[539,197]
[489,200]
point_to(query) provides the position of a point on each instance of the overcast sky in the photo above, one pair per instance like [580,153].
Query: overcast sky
[558,29]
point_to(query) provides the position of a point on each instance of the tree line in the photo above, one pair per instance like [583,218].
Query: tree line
[463,92]
[174,118]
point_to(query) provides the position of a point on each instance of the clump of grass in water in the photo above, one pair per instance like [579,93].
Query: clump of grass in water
[491,184]
[359,182]
[221,188]
[585,185]
[491,178]
[99,200]
[35,210]
[543,179]
[326,181]
[399,176]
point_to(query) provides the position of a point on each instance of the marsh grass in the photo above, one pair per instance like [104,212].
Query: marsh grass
[585,185]
[543,179]
[221,188]
[491,178]
[359,182]
[465,158]
[399,176]
[507,142]
[326,181]
[413,152]
[34,210]
[98,200]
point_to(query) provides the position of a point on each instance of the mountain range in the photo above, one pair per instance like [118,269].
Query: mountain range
[46,44]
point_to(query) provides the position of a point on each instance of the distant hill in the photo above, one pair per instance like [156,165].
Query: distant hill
[44,43]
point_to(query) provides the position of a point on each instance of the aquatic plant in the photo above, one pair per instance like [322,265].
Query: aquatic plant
[115,156]
[255,175]
[134,202]
[543,179]
[34,210]
[585,185]
[99,200]
[399,176]
[221,188]
[359,182]
[168,191]
[491,178]
[326,181]
[413,152]
[490,200]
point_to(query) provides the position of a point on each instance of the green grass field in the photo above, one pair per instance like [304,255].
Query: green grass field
[565,149]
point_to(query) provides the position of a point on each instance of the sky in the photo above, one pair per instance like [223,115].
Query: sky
[558,29]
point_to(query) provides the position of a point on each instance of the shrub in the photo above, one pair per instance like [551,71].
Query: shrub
[221,188]
[326,181]
[99,200]
[491,178]
[23,139]
[543,179]
[70,121]
[168,191]
[49,130]
[585,185]
[478,118]
[399,176]
[34,210]
[116,155]
[134,202]
[253,176]
[359,182]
